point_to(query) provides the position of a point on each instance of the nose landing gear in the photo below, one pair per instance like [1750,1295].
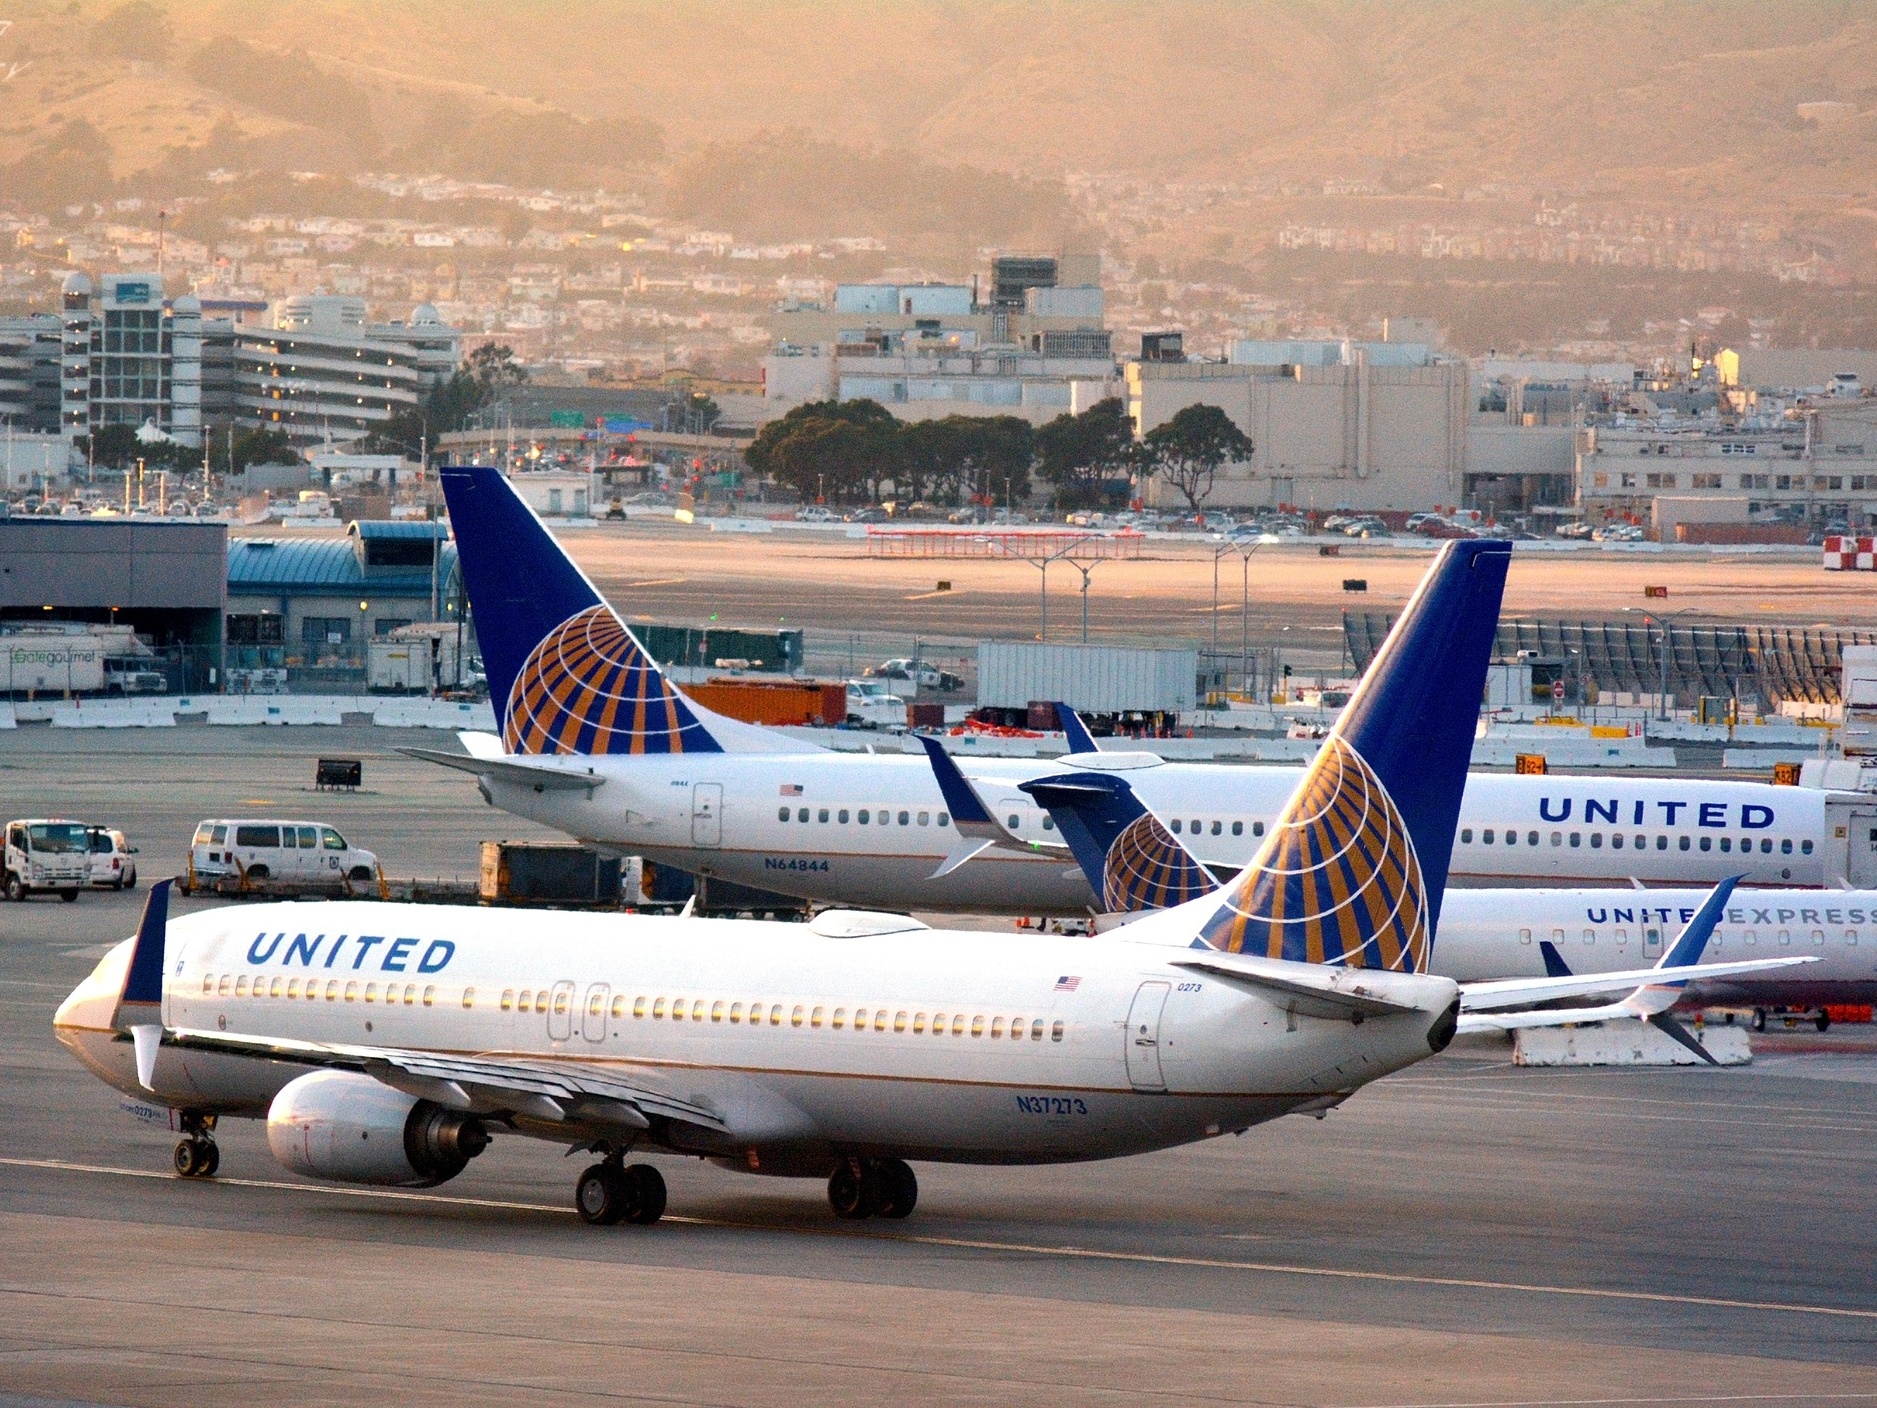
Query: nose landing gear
[863,1188]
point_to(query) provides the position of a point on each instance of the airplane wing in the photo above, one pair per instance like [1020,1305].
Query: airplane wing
[1502,993]
[537,1088]
[541,774]
[1656,989]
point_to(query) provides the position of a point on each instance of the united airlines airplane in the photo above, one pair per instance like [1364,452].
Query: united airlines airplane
[1137,865]
[387,1044]
[597,743]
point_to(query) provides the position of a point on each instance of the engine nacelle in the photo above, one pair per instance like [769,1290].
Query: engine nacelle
[350,1128]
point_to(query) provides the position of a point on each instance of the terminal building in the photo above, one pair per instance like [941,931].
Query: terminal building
[1036,348]
[321,373]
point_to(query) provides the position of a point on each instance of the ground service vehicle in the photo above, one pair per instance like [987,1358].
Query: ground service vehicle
[113,866]
[49,854]
[253,851]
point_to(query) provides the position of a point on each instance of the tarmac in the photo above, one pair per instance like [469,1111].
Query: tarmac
[1465,1233]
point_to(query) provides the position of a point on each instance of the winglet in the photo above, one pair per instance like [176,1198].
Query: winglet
[969,814]
[141,1002]
[1076,732]
[1687,949]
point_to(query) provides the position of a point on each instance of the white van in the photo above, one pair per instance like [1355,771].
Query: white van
[274,851]
[113,859]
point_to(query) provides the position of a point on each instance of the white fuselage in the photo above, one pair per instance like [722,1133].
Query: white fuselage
[870,829]
[1487,934]
[923,1044]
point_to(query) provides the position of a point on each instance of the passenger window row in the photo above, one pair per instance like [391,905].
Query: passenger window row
[866,816]
[1511,837]
[861,1019]
[1196,827]
[292,989]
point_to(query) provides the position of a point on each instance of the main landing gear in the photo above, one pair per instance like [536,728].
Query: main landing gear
[197,1156]
[608,1193]
[863,1188]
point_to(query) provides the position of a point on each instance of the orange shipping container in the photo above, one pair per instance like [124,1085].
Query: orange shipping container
[774,701]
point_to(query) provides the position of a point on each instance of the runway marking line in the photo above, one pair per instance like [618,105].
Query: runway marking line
[1269,1268]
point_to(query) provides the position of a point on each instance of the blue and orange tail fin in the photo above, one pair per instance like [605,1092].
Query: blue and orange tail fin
[566,675]
[1354,869]
[1132,861]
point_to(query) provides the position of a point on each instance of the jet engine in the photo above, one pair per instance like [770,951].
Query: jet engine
[349,1128]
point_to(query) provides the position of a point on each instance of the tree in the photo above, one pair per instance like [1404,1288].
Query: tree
[1188,450]
[262,445]
[989,458]
[493,365]
[835,448]
[1076,455]
[114,446]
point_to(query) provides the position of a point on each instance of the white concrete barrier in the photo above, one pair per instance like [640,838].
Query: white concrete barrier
[432,713]
[249,710]
[115,713]
[1762,758]
[7,717]
[1625,1043]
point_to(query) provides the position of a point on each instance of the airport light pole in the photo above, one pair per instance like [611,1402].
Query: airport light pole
[1661,621]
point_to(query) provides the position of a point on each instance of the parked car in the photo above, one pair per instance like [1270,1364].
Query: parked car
[1364,528]
[270,850]
[113,859]
[816,513]
[1575,532]
[869,515]
[926,676]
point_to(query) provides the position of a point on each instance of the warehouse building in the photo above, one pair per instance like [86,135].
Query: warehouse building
[166,579]
[311,606]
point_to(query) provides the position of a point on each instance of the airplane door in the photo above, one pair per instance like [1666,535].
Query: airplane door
[593,1012]
[560,1012]
[707,814]
[1651,941]
[1863,858]
[1143,1037]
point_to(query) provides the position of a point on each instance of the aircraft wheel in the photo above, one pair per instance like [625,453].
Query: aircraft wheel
[854,1190]
[645,1194]
[899,1188]
[1824,1020]
[197,1158]
[600,1197]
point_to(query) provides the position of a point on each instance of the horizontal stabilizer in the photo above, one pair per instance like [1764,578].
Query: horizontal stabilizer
[1314,990]
[543,776]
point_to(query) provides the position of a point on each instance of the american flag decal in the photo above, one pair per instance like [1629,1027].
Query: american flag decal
[791,789]
[1068,984]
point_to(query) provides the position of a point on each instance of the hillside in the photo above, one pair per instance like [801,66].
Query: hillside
[1695,99]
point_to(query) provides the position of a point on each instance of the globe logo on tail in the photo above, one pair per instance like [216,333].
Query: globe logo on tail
[1147,869]
[588,687]
[1337,881]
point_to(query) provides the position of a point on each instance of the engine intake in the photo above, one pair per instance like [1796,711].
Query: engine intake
[347,1127]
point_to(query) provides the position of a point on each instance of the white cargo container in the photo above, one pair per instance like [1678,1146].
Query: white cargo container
[1094,679]
[55,661]
[413,659]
